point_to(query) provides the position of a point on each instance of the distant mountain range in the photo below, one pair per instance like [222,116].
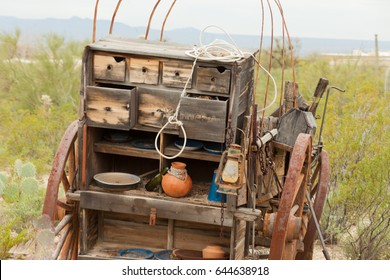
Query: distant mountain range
[81,29]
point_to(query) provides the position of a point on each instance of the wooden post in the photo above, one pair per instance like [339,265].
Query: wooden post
[170,239]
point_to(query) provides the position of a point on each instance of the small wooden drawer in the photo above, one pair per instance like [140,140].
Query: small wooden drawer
[111,68]
[213,79]
[176,74]
[155,106]
[111,107]
[203,119]
[143,71]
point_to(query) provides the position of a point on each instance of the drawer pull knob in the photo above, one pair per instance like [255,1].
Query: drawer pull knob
[108,109]
[109,67]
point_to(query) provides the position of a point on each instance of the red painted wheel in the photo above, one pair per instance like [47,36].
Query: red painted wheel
[288,227]
[63,212]
[320,183]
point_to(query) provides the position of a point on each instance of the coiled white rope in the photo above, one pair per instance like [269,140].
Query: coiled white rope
[218,50]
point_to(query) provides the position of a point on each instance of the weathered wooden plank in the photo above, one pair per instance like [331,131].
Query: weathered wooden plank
[142,47]
[134,218]
[247,214]
[239,250]
[207,123]
[202,155]
[213,79]
[292,124]
[111,108]
[289,95]
[144,71]
[155,106]
[141,206]
[176,74]
[111,68]
[171,234]
[246,72]
[292,97]
[244,100]
[239,244]
[135,233]
[197,239]
[89,228]
[319,91]
[124,149]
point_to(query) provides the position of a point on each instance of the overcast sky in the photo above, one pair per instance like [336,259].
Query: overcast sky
[349,19]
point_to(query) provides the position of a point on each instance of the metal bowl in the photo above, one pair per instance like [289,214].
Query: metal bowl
[117,180]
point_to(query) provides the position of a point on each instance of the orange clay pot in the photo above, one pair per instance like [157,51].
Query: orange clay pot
[213,252]
[177,183]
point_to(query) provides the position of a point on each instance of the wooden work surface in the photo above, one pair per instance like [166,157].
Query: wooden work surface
[195,207]
[143,47]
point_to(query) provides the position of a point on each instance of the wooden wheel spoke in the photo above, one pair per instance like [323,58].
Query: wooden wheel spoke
[61,242]
[300,180]
[64,253]
[64,222]
[65,181]
[313,190]
[287,226]
[321,191]
[63,205]
[63,173]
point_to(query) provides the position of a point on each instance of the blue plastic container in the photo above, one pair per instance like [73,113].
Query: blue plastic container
[213,194]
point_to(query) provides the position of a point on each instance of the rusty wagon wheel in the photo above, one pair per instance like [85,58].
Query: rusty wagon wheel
[318,193]
[290,219]
[60,209]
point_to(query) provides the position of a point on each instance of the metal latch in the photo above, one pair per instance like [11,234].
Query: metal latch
[152,216]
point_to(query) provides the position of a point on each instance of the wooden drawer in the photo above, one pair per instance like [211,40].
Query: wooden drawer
[213,79]
[176,74]
[111,107]
[111,68]
[143,71]
[155,106]
[203,119]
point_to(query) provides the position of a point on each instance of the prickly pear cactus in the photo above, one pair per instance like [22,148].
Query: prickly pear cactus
[29,186]
[18,167]
[3,182]
[27,170]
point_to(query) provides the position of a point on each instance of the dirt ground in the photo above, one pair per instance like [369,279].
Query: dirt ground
[335,252]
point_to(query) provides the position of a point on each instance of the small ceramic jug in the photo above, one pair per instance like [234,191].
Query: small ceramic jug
[177,183]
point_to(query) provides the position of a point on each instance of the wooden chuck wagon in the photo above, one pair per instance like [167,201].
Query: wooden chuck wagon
[170,154]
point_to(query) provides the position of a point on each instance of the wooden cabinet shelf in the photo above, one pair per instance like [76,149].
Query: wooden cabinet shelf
[125,149]
[167,208]
[172,150]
